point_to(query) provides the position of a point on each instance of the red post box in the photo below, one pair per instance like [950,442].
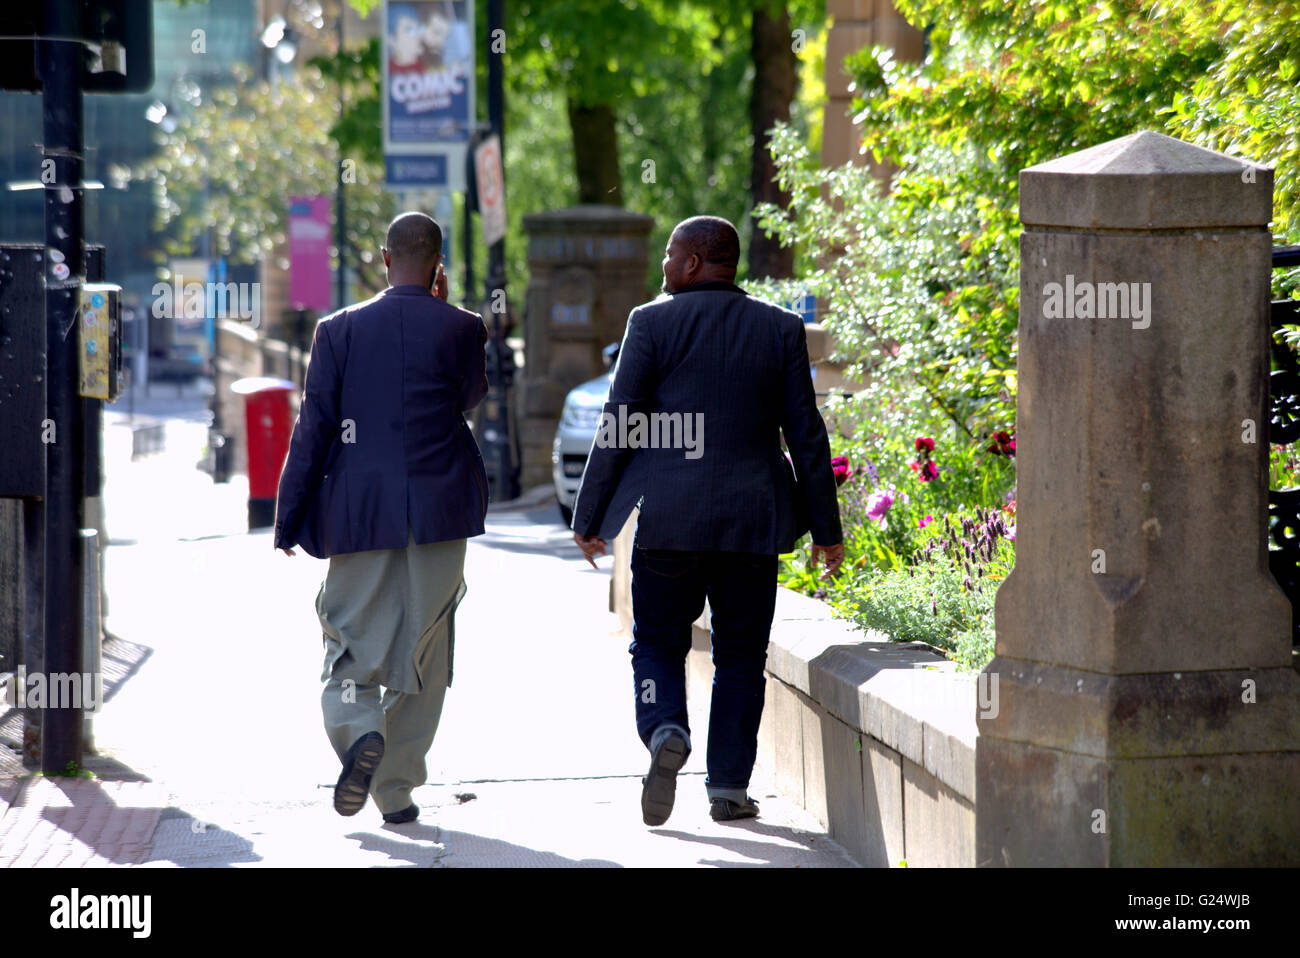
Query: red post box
[269,427]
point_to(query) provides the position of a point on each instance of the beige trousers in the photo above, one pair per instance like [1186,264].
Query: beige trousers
[388,623]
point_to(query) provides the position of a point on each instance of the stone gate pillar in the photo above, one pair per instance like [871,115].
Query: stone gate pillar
[587,270]
[856,24]
[1145,711]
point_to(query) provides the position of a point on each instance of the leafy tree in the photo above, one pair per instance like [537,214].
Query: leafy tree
[602,54]
[1248,102]
[921,282]
[228,166]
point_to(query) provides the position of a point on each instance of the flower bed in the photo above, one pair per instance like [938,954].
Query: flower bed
[929,535]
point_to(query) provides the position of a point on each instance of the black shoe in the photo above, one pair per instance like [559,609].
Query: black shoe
[359,765]
[408,814]
[659,787]
[725,810]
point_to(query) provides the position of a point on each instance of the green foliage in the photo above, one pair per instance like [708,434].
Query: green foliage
[919,283]
[944,596]
[1248,102]
[677,75]
[228,167]
[358,128]
[73,770]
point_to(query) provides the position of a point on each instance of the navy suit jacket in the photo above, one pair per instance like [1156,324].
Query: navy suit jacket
[381,445]
[739,365]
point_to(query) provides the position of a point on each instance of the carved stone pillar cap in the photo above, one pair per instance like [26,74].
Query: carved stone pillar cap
[1146,181]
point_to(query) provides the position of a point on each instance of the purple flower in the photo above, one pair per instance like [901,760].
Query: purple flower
[878,503]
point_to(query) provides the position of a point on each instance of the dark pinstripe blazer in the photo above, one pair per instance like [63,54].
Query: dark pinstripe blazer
[741,364]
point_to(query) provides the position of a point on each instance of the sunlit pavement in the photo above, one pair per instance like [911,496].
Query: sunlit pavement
[536,762]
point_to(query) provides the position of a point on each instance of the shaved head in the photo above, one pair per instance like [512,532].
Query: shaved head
[711,238]
[414,239]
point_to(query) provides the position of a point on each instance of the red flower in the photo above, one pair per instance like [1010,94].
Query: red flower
[924,442]
[841,468]
[929,471]
[1004,444]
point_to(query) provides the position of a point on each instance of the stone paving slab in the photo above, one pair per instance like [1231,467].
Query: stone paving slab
[578,823]
[73,822]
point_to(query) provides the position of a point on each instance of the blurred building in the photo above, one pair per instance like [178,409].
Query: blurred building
[120,132]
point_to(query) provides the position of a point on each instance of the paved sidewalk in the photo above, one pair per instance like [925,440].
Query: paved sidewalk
[78,822]
[211,750]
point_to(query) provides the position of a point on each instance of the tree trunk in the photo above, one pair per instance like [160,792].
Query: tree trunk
[772,51]
[595,154]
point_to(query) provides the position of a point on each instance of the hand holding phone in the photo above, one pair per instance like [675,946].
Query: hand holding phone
[440,284]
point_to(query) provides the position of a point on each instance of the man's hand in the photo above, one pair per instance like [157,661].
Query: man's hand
[287,552]
[440,284]
[591,547]
[834,557]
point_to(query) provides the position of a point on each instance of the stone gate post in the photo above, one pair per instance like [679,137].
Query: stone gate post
[1145,708]
[587,268]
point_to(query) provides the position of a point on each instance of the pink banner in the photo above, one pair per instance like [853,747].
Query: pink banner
[310,232]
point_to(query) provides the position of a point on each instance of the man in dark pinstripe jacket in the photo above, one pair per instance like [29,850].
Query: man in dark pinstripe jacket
[716,507]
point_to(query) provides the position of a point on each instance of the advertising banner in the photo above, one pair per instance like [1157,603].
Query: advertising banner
[310,232]
[428,97]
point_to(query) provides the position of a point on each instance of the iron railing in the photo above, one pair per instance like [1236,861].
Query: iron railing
[1284,429]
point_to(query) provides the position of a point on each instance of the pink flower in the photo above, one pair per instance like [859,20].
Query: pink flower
[925,522]
[878,504]
[924,442]
[1011,532]
[929,471]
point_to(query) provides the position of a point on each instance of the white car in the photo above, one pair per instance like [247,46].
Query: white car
[576,432]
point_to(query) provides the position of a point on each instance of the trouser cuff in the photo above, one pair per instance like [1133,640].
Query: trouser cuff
[737,795]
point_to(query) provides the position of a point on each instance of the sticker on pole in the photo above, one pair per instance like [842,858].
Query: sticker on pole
[491,189]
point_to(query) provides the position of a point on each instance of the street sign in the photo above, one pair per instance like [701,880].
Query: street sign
[428,95]
[408,171]
[491,189]
[118,54]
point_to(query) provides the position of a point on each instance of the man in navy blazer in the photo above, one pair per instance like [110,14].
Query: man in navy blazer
[384,477]
[716,508]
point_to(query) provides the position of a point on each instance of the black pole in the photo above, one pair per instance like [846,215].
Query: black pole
[61,68]
[341,218]
[467,221]
[506,476]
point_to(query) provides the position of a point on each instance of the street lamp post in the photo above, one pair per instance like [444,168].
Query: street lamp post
[502,365]
[340,219]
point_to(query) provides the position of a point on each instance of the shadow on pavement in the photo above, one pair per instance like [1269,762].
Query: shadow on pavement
[467,850]
[760,852]
[534,531]
[120,660]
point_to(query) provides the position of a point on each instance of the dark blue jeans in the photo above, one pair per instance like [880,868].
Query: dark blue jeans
[668,593]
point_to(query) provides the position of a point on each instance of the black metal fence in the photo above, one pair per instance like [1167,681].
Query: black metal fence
[1284,429]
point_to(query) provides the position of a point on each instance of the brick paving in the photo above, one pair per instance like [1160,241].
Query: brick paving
[77,822]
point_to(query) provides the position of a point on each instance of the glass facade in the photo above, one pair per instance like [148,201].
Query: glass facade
[119,137]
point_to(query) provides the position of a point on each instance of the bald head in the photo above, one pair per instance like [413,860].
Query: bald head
[412,249]
[702,249]
[414,237]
